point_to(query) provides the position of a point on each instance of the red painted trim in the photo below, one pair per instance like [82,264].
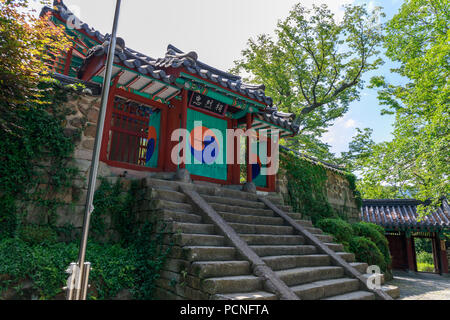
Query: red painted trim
[130,166]
[184,107]
[149,102]
[215,115]
[249,121]
[410,253]
[108,116]
[95,66]
[163,145]
[444,259]
[68,61]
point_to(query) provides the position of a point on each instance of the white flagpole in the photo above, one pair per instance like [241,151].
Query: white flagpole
[82,274]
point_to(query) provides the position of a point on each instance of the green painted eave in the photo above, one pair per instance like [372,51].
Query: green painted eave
[184,76]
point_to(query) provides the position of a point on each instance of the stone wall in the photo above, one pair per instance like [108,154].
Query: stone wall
[340,195]
[84,110]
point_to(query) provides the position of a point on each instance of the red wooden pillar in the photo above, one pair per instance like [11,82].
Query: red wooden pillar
[237,155]
[163,145]
[443,254]
[270,178]
[184,107]
[410,252]
[68,61]
[108,117]
[249,119]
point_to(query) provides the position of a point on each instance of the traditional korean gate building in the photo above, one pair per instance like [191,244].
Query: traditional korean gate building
[151,98]
[400,219]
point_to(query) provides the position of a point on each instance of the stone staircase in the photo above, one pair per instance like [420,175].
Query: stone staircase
[204,265]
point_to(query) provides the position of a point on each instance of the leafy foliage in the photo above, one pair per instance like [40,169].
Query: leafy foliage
[416,162]
[306,186]
[367,251]
[26,43]
[340,229]
[376,235]
[314,66]
[34,160]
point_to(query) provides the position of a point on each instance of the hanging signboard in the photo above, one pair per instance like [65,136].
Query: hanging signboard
[199,101]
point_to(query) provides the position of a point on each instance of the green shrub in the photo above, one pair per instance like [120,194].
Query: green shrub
[367,251]
[113,267]
[376,234]
[425,257]
[340,229]
[34,234]
[425,267]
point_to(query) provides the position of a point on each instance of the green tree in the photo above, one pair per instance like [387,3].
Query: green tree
[26,43]
[359,150]
[417,159]
[313,66]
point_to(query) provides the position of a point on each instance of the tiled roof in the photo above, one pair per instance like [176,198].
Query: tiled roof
[130,59]
[401,214]
[281,119]
[175,58]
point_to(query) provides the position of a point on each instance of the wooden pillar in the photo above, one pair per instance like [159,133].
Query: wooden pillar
[443,255]
[163,140]
[184,108]
[236,166]
[410,252]
[108,117]
[249,167]
[68,61]
[270,178]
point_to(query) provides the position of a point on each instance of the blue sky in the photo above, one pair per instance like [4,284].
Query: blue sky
[218,30]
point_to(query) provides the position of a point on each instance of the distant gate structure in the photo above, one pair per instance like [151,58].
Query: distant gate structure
[400,219]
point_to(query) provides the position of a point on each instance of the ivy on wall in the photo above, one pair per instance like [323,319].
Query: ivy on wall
[34,158]
[306,184]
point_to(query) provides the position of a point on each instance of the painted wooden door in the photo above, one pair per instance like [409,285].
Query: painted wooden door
[206,145]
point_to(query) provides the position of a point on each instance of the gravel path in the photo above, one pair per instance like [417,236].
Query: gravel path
[420,286]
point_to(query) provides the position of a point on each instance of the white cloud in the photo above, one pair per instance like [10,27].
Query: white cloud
[340,134]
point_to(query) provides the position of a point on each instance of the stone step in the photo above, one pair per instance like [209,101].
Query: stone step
[299,216]
[204,253]
[170,195]
[249,219]
[298,276]
[194,228]
[179,216]
[185,239]
[211,269]
[243,228]
[336,247]
[356,295]
[258,295]
[241,210]
[269,239]
[360,266]
[308,260]
[175,206]
[325,238]
[265,251]
[232,284]
[382,282]
[325,288]
[225,192]
[234,201]
[391,290]
[160,184]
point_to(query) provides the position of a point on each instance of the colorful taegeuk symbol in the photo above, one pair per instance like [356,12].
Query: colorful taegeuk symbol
[204,144]
[256,168]
[151,143]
